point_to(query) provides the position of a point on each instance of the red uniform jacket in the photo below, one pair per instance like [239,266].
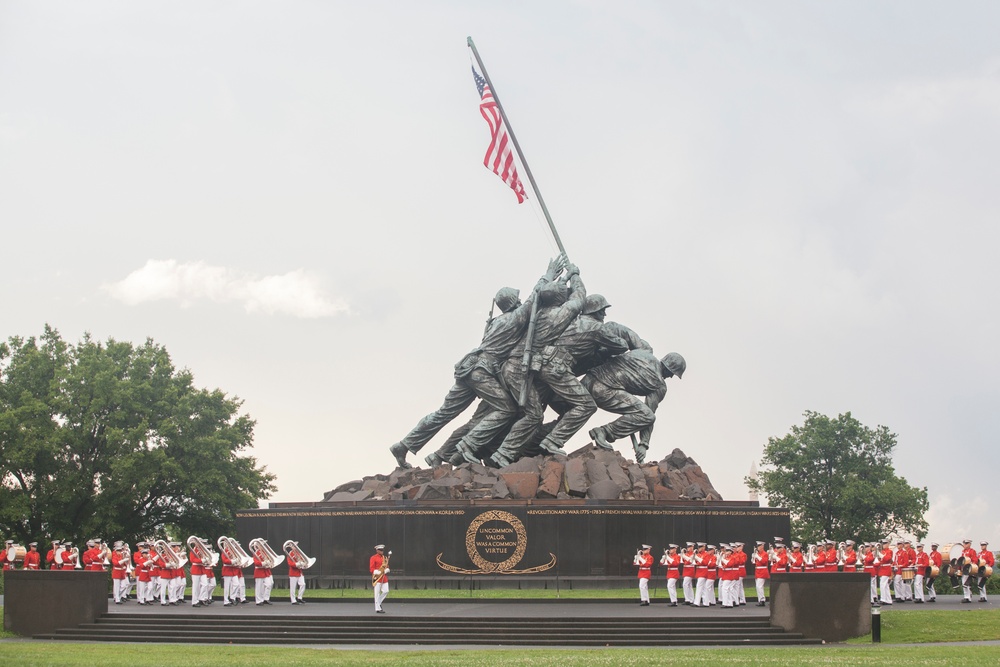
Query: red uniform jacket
[781,563]
[673,564]
[259,571]
[831,560]
[760,563]
[118,565]
[645,566]
[375,563]
[32,561]
[885,563]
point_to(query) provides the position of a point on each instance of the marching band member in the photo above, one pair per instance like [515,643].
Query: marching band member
[968,553]
[850,557]
[911,560]
[869,569]
[796,561]
[197,577]
[728,577]
[672,560]
[883,563]
[153,563]
[229,574]
[687,561]
[143,581]
[179,580]
[819,559]
[761,559]
[208,583]
[899,560]
[33,559]
[922,564]
[166,581]
[936,560]
[741,572]
[700,573]
[831,556]
[779,561]
[119,579]
[985,559]
[87,557]
[7,565]
[50,556]
[381,586]
[296,582]
[644,561]
[69,557]
[263,581]
[711,563]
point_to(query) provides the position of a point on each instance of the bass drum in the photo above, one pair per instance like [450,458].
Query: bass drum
[15,554]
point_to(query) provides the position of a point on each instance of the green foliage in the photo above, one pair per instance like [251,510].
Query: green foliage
[836,478]
[109,439]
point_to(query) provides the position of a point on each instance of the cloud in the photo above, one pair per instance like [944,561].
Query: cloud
[296,293]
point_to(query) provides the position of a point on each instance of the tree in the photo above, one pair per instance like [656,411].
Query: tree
[836,478]
[109,440]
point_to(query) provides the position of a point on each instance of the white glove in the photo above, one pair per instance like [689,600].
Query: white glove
[386,571]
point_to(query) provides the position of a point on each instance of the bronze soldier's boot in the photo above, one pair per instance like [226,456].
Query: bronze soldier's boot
[400,451]
[597,435]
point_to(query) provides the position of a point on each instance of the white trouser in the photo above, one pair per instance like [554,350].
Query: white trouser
[982,588]
[884,588]
[688,587]
[725,593]
[672,589]
[644,590]
[165,590]
[966,587]
[897,586]
[241,588]
[874,588]
[153,589]
[708,592]
[297,584]
[699,591]
[228,586]
[741,594]
[918,587]
[760,589]
[262,589]
[207,587]
[381,590]
[196,586]
[120,588]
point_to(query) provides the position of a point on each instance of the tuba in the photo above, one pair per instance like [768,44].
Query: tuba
[296,556]
[265,554]
[171,558]
[234,552]
[205,554]
[841,554]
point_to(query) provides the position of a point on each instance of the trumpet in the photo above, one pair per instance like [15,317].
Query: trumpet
[172,559]
[205,554]
[638,556]
[296,556]
[234,552]
[378,574]
[265,554]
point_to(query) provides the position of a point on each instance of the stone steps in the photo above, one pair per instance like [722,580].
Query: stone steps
[261,629]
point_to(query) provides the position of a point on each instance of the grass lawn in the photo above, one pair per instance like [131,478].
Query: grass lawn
[128,655]
[919,627]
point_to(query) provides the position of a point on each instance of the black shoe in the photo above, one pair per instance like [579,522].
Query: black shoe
[164,604]
[673,604]
[294,602]
[267,602]
[690,604]
[227,604]
[933,600]
[244,601]
[982,599]
[643,604]
[918,602]
[301,601]
[379,611]
[965,600]
[196,604]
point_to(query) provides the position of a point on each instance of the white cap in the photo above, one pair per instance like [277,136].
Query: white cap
[379,546]
[646,546]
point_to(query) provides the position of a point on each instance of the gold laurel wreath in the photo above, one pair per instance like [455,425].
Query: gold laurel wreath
[503,567]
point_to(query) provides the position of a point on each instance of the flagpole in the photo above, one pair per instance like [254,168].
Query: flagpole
[530,334]
[517,147]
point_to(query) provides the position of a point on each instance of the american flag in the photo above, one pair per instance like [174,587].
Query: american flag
[499,156]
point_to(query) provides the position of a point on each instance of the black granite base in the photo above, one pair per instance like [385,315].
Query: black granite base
[41,601]
[437,544]
[833,606]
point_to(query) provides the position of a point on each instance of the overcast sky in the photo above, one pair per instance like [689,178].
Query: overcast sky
[799,197]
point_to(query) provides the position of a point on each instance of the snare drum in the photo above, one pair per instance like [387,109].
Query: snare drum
[908,573]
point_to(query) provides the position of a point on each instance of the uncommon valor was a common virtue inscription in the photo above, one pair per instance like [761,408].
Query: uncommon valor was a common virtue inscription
[496,542]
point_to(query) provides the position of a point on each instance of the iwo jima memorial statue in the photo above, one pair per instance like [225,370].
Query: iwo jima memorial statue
[501,502]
